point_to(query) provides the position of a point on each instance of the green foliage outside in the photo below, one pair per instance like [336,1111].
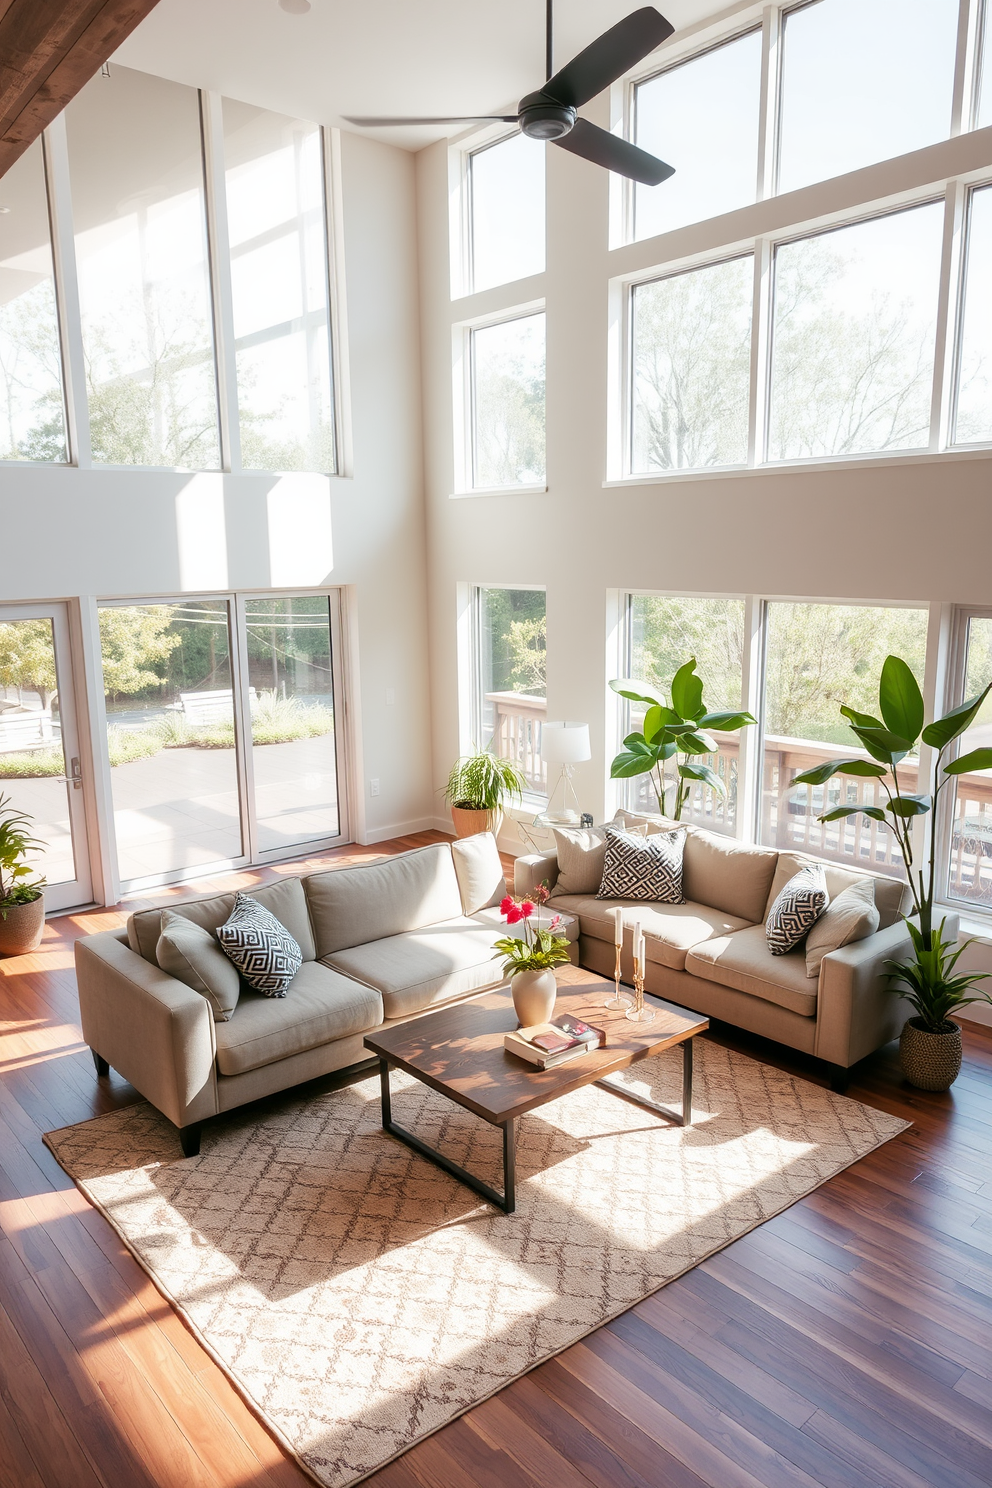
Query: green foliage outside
[509,417]
[515,641]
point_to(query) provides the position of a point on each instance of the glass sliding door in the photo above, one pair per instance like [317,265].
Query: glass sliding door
[289,652]
[40,766]
[167,675]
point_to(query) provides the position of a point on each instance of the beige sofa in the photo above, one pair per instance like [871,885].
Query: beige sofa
[710,953]
[381,943]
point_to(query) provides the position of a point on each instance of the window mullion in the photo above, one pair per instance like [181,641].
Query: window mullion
[769,109]
[966,68]
[219,247]
[948,327]
[749,766]
[760,350]
[56,150]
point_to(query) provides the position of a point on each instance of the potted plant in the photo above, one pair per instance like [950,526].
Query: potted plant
[479,788]
[530,961]
[930,1046]
[674,731]
[22,899]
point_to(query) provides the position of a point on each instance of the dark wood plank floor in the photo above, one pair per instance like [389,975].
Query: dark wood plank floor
[847,1342]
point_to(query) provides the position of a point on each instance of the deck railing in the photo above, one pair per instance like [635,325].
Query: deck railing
[517,720]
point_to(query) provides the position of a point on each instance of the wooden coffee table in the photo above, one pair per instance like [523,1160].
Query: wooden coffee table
[459,1052]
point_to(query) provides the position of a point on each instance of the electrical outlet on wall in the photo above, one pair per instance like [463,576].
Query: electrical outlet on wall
[374,786]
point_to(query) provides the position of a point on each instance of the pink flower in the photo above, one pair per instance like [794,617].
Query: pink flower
[513,914]
[526,909]
[505,905]
[542,893]
[555,923]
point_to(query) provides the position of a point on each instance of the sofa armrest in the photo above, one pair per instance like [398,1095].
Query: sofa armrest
[532,869]
[856,1011]
[154,1030]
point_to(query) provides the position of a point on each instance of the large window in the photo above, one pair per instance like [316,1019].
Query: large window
[507,403]
[277,229]
[32,422]
[690,356]
[863,80]
[974,402]
[509,702]
[970,860]
[819,656]
[702,117]
[506,211]
[853,337]
[141,249]
[663,632]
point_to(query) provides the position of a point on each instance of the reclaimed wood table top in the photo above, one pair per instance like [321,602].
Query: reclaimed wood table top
[459,1051]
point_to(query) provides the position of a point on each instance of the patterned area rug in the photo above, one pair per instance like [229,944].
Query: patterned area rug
[360,1298]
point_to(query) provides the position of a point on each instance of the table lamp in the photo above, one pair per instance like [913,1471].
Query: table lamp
[564,744]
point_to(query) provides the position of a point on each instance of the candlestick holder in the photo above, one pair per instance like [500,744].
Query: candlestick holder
[640,1012]
[619,1002]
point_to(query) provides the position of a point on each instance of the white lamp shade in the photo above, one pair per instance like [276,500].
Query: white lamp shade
[565,743]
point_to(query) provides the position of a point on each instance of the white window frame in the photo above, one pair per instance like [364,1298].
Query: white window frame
[463,411]
[472,735]
[951,696]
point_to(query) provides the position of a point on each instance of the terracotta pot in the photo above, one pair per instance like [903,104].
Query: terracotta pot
[21,927]
[930,1061]
[470,823]
[533,994]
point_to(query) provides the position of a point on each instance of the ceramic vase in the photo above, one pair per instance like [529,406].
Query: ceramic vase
[930,1061]
[21,927]
[533,994]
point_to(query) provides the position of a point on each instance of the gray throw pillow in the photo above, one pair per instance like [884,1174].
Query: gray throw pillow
[191,954]
[643,868]
[797,909]
[851,916]
[260,947]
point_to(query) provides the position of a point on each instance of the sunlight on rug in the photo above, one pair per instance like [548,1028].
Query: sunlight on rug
[360,1298]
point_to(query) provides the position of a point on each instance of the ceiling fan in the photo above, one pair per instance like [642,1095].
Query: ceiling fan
[550,113]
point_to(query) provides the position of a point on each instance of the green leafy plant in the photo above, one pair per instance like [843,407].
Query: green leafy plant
[933,988]
[18,884]
[538,949]
[674,730]
[483,782]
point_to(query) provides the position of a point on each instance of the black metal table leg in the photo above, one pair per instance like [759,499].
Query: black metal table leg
[678,1118]
[505,1200]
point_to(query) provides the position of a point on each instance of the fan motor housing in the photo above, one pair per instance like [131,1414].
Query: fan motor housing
[541,118]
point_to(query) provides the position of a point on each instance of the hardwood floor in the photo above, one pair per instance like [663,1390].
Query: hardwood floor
[847,1342]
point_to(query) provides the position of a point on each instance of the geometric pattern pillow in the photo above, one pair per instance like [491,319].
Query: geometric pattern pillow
[797,909]
[643,867]
[260,947]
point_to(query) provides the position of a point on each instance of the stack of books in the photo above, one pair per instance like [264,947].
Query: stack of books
[547,1045]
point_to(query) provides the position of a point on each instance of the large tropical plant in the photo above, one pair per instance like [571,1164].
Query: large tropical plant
[674,730]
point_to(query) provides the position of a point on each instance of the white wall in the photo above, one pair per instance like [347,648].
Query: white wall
[67,532]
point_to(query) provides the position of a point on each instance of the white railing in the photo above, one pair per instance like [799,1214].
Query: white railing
[27,728]
[517,734]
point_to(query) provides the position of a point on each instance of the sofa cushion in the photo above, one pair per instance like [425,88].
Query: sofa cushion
[851,916]
[350,906]
[670,930]
[191,954]
[285,899]
[419,968]
[320,1005]
[647,868]
[728,875]
[581,857]
[889,892]
[744,962]
[479,872]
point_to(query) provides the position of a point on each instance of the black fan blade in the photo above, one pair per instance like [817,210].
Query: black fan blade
[608,57]
[456,119]
[615,154]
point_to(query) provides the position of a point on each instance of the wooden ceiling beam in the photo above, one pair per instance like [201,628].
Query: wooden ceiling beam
[49,49]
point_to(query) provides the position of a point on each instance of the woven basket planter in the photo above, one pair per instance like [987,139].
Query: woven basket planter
[21,927]
[930,1061]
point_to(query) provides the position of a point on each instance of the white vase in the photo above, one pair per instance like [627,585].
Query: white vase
[533,994]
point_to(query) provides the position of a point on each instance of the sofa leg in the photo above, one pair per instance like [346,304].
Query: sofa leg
[102,1067]
[839,1078]
[189,1138]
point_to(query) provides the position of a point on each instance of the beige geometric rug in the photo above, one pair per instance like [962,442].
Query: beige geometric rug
[360,1298]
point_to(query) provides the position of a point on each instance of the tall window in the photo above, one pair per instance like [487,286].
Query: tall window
[662,633]
[506,211]
[970,860]
[702,117]
[32,419]
[690,351]
[507,372]
[138,203]
[510,646]
[817,657]
[277,228]
[973,422]
[863,80]
[853,337]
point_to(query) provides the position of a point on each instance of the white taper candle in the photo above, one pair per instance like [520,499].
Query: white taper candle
[618,927]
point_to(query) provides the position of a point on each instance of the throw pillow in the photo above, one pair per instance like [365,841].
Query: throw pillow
[643,869]
[191,954]
[851,916]
[264,952]
[581,856]
[797,909]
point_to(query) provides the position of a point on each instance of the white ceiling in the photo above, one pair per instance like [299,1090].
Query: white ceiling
[374,56]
